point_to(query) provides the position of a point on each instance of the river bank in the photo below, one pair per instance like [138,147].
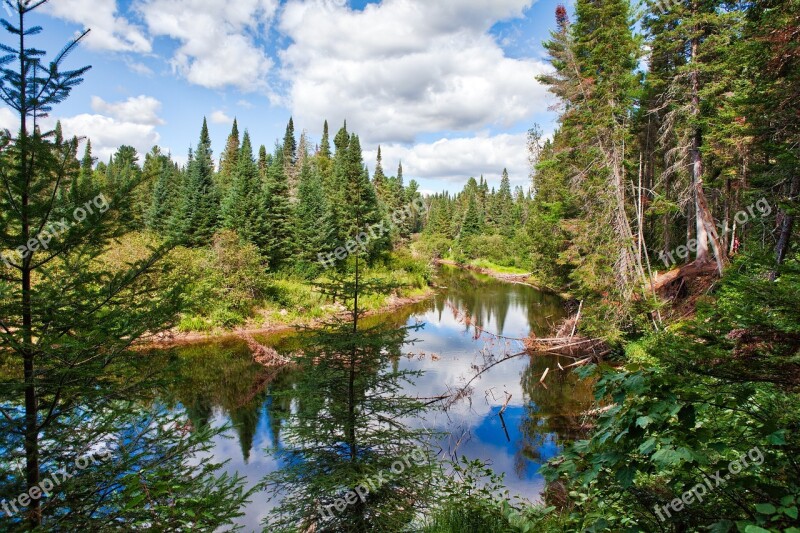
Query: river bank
[174,337]
[522,278]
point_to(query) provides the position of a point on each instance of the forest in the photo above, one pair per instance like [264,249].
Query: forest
[660,217]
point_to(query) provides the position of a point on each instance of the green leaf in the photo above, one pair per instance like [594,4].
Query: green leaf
[643,421]
[666,456]
[625,476]
[766,508]
[791,512]
[755,529]
[648,445]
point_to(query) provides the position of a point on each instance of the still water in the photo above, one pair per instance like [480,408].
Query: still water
[472,322]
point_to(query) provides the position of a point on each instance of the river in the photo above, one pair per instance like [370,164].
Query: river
[471,322]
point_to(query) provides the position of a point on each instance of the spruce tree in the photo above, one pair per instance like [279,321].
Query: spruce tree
[472,224]
[290,166]
[241,209]
[164,197]
[200,204]
[313,231]
[275,240]
[229,160]
[505,206]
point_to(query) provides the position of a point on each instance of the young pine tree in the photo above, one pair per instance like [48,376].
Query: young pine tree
[67,322]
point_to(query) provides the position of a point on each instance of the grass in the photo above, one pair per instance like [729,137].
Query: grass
[500,269]
[288,299]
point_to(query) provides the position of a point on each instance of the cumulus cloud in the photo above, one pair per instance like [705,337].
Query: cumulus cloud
[107,133]
[218,39]
[136,110]
[455,160]
[109,31]
[219,117]
[405,67]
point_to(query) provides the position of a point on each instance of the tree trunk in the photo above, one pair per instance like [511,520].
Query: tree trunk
[787,226]
[704,221]
[31,431]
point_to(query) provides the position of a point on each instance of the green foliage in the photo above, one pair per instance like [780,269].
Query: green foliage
[197,217]
[723,385]
[476,502]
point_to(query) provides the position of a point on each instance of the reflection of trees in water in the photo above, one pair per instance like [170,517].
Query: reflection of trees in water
[553,411]
[347,426]
[222,376]
[486,299]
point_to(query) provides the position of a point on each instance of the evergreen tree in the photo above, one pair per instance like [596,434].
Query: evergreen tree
[379,179]
[276,240]
[164,197]
[229,160]
[198,217]
[472,224]
[505,206]
[69,318]
[241,209]
[264,161]
[313,231]
[323,160]
[290,167]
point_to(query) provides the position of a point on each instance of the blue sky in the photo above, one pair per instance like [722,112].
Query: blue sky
[446,86]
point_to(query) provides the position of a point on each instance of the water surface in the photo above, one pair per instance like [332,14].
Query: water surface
[472,322]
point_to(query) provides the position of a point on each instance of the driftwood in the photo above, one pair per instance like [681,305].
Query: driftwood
[263,355]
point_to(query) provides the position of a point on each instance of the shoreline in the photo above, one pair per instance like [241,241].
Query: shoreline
[171,338]
[520,279]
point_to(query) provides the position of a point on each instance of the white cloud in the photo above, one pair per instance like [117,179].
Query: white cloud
[109,31]
[219,117]
[107,134]
[456,160]
[139,68]
[218,39]
[136,110]
[405,67]
[132,122]
[9,120]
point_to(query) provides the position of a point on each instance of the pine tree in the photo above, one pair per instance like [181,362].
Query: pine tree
[276,240]
[200,204]
[314,234]
[472,224]
[264,161]
[241,209]
[164,197]
[69,318]
[505,206]
[323,160]
[229,160]
[290,167]
[338,435]
[379,179]
[84,182]
[595,61]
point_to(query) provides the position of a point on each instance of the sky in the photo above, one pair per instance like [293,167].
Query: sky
[446,86]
